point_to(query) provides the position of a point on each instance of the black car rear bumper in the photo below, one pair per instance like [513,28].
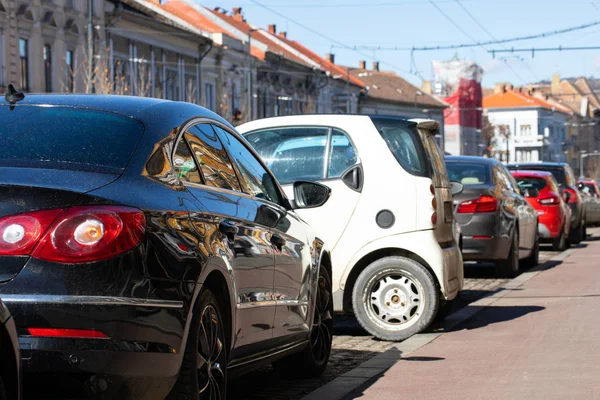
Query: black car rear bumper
[140,358]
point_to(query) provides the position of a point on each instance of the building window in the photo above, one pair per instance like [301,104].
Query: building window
[48,68]
[209,96]
[525,130]
[24,64]
[70,71]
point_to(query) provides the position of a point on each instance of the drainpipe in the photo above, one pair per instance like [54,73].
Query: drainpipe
[201,57]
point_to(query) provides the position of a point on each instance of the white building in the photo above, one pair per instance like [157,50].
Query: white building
[528,128]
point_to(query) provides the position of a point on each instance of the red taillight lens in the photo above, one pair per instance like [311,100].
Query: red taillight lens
[434,218]
[549,201]
[482,204]
[73,235]
[68,333]
[573,198]
[20,233]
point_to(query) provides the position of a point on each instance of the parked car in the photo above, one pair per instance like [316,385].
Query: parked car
[591,201]
[566,179]
[389,219]
[554,215]
[125,224]
[497,223]
[10,357]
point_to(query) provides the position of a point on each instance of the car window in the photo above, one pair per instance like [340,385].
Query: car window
[67,138]
[571,181]
[292,153]
[342,154]
[469,174]
[184,164]
[212,157]
[526,182]
[502,179]
[256,178]
[552,184]
[440,174]
[404,142]
[511,180]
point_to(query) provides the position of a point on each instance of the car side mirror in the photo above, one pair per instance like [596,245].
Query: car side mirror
[456,187]
[566,196]
[310,194]
[531,192]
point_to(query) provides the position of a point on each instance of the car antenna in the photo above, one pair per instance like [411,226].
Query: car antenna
[13,96]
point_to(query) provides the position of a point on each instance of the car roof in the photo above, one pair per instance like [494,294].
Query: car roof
[131,106]
[587,181]
[536,174]
[472,159]
[537,164]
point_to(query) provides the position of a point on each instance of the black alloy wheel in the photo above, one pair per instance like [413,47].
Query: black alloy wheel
[210,358]
[322,329]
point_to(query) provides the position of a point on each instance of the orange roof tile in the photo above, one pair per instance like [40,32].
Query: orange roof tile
[512,99]
[325,64]
[184,11]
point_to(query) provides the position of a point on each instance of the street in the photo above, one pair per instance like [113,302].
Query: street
[352,346]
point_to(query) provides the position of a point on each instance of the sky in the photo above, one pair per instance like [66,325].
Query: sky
[408,23]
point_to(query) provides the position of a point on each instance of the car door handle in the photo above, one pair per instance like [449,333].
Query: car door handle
[229,229]
[277,241]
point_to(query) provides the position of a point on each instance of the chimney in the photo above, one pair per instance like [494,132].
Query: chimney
[426,87]
[283,34]
[330,57]
[362,64]
[376,66]
[273,29]
[499,88]
[237,14]
[509,87]
[555,87]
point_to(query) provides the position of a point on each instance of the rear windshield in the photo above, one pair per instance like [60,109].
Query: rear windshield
[587,188]
[67,138]
[558,172]
[527,182]
[404,142]
[469,174]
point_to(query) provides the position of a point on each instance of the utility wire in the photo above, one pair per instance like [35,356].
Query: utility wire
[465,9]
[337,42]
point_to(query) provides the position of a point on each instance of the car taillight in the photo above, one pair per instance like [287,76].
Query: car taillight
[68,333]
[549,201]
[73,235]
[573,198]
[482,204]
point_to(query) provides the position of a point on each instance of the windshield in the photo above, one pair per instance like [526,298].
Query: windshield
[67,138]
[558,172]
[527,182]
[469,174]
[404,142]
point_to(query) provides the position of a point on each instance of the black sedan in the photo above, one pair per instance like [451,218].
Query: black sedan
[10,357]
[497,223]
[146,251]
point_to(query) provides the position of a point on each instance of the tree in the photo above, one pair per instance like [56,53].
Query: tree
[487,136]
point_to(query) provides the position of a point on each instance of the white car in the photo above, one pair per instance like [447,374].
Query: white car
[389,220]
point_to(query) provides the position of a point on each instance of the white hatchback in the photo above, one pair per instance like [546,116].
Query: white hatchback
[389,220]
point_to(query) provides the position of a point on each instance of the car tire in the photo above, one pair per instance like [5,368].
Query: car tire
[394,298]
[209,349]
[509,268]
[446,308]
[534,257]
[578,233]
[312,361]
[560,243]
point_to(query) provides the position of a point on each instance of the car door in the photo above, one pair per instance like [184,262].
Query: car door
[527,215]
[288,240]
[250,256]
[317,154]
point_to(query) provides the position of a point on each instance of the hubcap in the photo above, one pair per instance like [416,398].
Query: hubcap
[395,300]
[321,335]
[210,358]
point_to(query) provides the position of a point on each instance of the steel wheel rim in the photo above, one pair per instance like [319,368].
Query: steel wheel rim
[321,335]
[210,356]
[395,299]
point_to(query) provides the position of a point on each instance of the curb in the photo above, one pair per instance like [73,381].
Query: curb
[345,384]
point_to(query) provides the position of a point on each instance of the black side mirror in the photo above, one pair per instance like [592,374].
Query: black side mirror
[310,194]
[566,196]
[456,187]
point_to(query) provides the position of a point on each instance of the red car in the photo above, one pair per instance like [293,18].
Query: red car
[544,194]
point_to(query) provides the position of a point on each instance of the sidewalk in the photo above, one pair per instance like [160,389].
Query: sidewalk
[540,341]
